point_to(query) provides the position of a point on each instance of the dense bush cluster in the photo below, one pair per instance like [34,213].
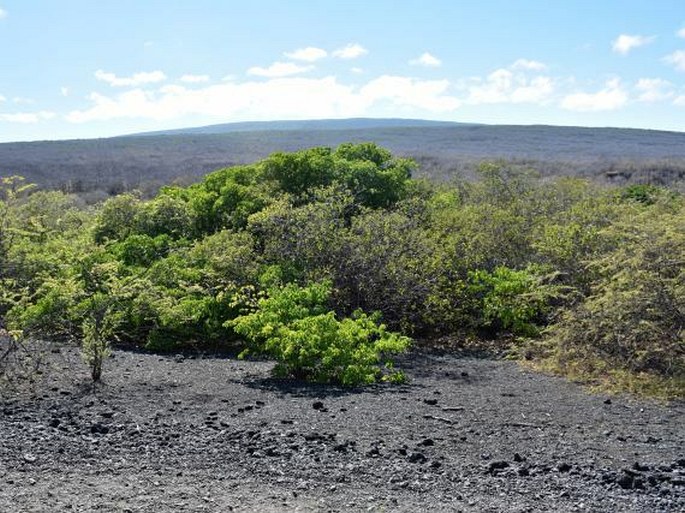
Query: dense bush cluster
[300,256]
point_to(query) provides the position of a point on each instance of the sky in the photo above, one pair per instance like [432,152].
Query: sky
[88,69]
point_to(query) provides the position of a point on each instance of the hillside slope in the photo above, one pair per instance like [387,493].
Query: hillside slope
[148,161]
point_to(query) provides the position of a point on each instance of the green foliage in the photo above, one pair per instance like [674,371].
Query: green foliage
[283,255]
[294,327]
[117,218]
[512,301]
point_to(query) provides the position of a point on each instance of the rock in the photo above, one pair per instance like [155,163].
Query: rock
[374,451]
[640,467]
[625,481]
[518,458]
[495,466]
[427,442]
[431,402]
[54,422]
[29,458]
[417,457]
[563,467]
[607,401]
[318,405]
[99,429]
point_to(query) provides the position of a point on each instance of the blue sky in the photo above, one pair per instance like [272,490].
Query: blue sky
[85,68]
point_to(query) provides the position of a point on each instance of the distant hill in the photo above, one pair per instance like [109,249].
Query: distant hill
[309,124]
[443,151]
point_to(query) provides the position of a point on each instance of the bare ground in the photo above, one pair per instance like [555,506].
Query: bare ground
[192,433]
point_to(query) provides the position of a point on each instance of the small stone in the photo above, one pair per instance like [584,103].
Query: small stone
[417,457]
[607,401]
[318,405]
[496,466]
[625,481]
[427,442]
[564,467]
[518,458]
[431,402]
[29,458]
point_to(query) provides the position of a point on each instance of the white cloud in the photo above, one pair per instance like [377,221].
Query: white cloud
[21,100]
[194,79]
[676,59]
[261,100]
[528,65]
[427,60]
[279,69]
[681,33]
[308,54]
[403,91]
[64,91]
[654,89]
[611,97]
[144,77]
[351,51]
[624,43]
[2,98]
[27,117]
[3,13]
[356,70]
[679,101]
[505,86]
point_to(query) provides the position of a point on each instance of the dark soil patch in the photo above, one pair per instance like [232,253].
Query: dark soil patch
[178,433]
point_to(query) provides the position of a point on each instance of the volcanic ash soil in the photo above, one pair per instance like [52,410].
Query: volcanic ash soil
[192,433]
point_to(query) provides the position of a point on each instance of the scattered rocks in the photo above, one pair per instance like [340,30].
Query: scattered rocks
[382,452]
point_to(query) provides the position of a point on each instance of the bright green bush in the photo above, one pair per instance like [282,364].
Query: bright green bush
[514,301]
[294,326]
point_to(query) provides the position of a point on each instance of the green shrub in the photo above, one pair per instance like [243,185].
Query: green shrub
[632,325]
[294,327]
[512,301]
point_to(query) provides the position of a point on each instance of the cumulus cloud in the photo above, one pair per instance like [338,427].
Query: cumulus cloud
[27,117]
[259,100]
[427,60]
[279,69]
[654,90]
[624,43]
[3,13]
[194,79]
[144,77]
[507,86]
[528,65]
[403,91]
[308,54]
[676,59]
[611,97]
[351,51]
[681,33]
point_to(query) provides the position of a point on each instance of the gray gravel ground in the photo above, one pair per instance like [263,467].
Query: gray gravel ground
[180,433]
